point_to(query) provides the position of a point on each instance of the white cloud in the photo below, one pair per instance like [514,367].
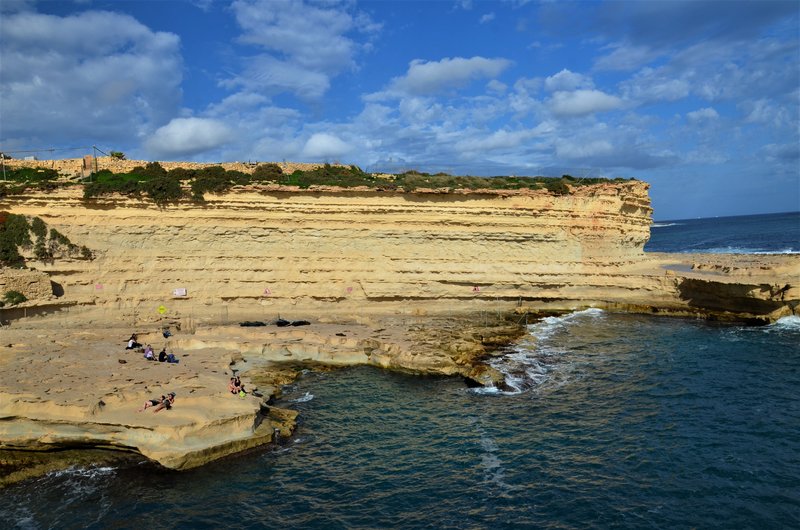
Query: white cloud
[651,85]
[271,76]
[496,87]
[583,149]
[92,77]
[427,78]
[702,115]
[488,17]
[323,146]
[583,102]
[626,57]
[304,45]
[566,80]
[188,137]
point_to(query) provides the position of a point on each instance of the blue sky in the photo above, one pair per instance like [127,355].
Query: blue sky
[700,99]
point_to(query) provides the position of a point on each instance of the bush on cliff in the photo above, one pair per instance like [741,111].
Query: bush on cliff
[271,172]
[328,175]
[30,174]
[163,190]
[14,298]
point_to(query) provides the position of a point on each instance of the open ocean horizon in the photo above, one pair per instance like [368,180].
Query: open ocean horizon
[611,421]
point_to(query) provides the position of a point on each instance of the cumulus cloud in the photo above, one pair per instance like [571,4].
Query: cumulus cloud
[303,45]
[93,77]
[321,146]
[188,137]
[566,80]
[430,77]
[583,102]
[702,115]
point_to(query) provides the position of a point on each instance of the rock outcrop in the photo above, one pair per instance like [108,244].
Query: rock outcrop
[357,257]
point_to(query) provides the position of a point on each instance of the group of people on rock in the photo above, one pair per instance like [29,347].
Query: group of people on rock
[165,402]
[163,356]
[236,387]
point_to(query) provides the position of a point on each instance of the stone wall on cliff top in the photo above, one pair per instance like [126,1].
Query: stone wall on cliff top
[74,166]
[279,250]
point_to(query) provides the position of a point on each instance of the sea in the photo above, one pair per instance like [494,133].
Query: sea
[606,421]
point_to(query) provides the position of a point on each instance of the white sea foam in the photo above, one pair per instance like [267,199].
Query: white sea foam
[790,322]
[535,363]
[308,396]
[662,225]
[84,472]
[741,250]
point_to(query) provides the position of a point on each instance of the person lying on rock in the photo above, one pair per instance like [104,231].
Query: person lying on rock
[152,403]
[132,344]
[166,403]
[172,359]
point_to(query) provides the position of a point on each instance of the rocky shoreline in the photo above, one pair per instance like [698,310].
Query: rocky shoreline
[80,389]
[423,282]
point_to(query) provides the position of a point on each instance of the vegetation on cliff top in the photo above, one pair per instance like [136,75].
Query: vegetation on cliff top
[164,187]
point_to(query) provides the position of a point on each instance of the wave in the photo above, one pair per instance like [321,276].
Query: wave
[790,323]
[662,225]
[308,396]
[83,472]
[535,363]
[739,250]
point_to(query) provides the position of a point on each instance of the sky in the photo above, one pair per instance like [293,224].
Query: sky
[701,99]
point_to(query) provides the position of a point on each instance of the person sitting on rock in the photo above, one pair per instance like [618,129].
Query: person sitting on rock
[232,387]
[166,403]
[152,403]
[162,355]
[132,344]
[167,333]
[239,386]
[148,353]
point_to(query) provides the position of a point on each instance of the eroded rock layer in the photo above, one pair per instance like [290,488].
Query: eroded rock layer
[284,249]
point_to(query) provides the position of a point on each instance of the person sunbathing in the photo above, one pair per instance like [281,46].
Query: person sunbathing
[152,403]
[166,403]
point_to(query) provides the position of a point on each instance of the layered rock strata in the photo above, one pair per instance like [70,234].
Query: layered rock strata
[393,272]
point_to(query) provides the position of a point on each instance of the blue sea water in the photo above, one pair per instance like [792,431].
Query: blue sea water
[607,421]
[750,234]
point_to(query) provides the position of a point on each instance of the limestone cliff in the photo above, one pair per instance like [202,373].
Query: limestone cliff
[360,258]
[278,249]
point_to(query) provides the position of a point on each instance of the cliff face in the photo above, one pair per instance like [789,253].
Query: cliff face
[412,276]
[279,250]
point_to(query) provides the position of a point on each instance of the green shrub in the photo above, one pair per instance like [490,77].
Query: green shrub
[38,228]
[14,297]
[9,255]
[211,183]
[118,155]
[267,172]
[150,171]
[556,187]
[41,251]
[59,238]
[182,173]
[18,230]
[31,174]
[163,190]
